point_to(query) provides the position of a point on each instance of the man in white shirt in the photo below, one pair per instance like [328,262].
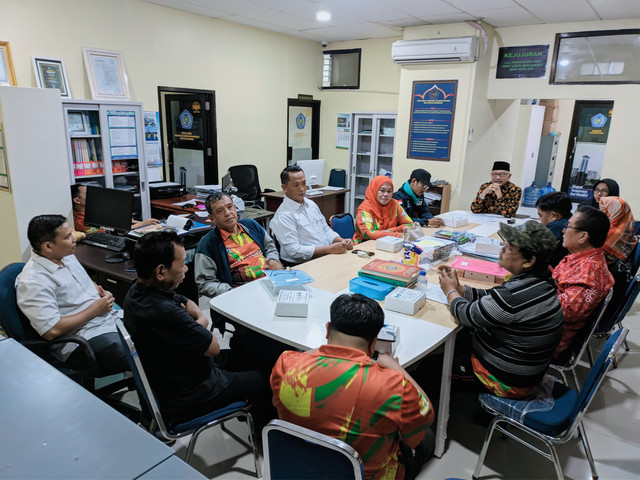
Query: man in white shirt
[299,226]
[58,297]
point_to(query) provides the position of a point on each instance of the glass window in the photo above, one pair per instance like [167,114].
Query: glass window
[341,68]
[611,56]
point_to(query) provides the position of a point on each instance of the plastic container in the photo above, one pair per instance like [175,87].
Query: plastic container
[530,195]
[423,283]
[547,189]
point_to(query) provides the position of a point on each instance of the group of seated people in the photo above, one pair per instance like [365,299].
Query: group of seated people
[559,275]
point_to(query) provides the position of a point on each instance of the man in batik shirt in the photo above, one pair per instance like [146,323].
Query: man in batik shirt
[498,196]
[340,391]
[582,277]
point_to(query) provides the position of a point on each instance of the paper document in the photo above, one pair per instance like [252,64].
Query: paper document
[435,293]
[485,230]
[330,188]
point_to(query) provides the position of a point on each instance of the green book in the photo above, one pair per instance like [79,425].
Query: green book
[390,281]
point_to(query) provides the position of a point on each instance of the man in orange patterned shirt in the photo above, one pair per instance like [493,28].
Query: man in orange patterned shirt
[498,196]
[338,390]
[582,277]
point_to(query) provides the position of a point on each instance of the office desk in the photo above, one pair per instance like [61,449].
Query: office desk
[54,428]
[162,207]
[331,202]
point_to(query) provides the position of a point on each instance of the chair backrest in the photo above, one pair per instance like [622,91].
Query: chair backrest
[13,321]
[140,378]
[598,371]
[291,451]
[581,339]
[342,224]
[338,178]
[245,179]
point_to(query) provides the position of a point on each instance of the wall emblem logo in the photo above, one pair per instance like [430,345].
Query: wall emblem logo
[186,119]
[598,121]
[301,121]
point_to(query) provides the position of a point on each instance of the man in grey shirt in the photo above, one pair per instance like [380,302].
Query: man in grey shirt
[58,297]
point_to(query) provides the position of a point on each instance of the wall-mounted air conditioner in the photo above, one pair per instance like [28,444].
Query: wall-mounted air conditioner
[461,49]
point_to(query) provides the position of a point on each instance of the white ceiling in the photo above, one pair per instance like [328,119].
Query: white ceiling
[362,19]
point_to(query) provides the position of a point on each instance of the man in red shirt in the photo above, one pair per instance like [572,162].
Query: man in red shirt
[582,277]
[338,390]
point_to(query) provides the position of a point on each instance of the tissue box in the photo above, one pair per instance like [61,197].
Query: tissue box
[405,300]
[388,339]
[292,303]
[389,244]
[440,248]
[370,288]
[488,245]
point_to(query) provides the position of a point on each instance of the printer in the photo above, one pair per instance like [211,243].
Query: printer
[166,190]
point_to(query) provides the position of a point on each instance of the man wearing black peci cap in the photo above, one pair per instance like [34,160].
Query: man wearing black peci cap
[498,196]
[411,197]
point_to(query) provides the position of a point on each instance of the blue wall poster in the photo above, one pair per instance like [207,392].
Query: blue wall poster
[433,106]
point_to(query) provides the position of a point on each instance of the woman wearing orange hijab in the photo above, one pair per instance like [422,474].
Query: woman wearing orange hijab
[621,239]
[380,215]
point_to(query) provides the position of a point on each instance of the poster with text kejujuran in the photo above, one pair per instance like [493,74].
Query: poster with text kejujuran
[433,106]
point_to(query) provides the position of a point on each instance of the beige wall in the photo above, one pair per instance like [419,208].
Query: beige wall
[623,143]
[379,81]
[252,71]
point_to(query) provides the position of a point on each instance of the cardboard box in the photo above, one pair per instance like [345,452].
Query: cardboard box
[388,339]
[488,245]
[405,300]
[480,270]
[389,244]
[292,303]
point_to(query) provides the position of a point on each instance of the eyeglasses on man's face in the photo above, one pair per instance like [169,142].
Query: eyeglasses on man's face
[572,227]
[500,174]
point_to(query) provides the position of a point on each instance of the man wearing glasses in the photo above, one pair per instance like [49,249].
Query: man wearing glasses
[498,196]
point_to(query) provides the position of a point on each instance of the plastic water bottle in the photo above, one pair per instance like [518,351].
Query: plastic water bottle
[422,284]
[547,189]
[530,195]
[424,260]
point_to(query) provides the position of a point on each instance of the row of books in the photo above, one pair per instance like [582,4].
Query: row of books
[86,158]
[393,273]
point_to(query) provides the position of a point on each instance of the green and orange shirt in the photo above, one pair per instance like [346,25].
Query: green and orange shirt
[368,227]
[341,392]
[246,260]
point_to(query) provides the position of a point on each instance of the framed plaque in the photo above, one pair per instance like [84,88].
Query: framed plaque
[51,73]
[106,73]
[7,75]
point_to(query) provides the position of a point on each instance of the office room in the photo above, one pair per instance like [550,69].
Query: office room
[254,67]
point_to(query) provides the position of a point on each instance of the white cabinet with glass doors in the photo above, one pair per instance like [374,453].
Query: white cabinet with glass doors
[105,143]
[370,152]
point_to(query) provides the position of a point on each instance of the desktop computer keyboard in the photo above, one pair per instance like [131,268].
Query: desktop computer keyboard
[105,240]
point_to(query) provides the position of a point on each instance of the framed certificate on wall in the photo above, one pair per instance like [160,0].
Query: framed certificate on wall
[51,73]
[7,75]
[106,73]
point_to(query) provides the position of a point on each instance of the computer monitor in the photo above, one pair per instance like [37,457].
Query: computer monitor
[108,208]
[313,170]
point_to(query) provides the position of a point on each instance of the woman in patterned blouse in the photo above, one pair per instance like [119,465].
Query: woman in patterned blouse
[380,215]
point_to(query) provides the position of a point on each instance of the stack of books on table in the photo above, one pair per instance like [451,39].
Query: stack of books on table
[393,273]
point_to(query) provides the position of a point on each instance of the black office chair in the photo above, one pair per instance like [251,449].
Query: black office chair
[245,179]
[337,178]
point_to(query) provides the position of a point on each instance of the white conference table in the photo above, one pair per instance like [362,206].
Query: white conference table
[253,306]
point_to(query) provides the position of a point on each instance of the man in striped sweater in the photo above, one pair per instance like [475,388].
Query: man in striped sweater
[512,329]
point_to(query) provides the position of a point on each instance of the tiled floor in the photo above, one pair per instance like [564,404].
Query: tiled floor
[612,424]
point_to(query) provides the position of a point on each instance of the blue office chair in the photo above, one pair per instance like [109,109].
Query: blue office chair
[615,317]
[568,359]
[193,427]
[554,426]
[17,326]
[295,452]
[342,224]
[337,178]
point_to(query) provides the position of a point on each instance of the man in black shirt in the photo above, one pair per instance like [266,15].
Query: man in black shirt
[175,347]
